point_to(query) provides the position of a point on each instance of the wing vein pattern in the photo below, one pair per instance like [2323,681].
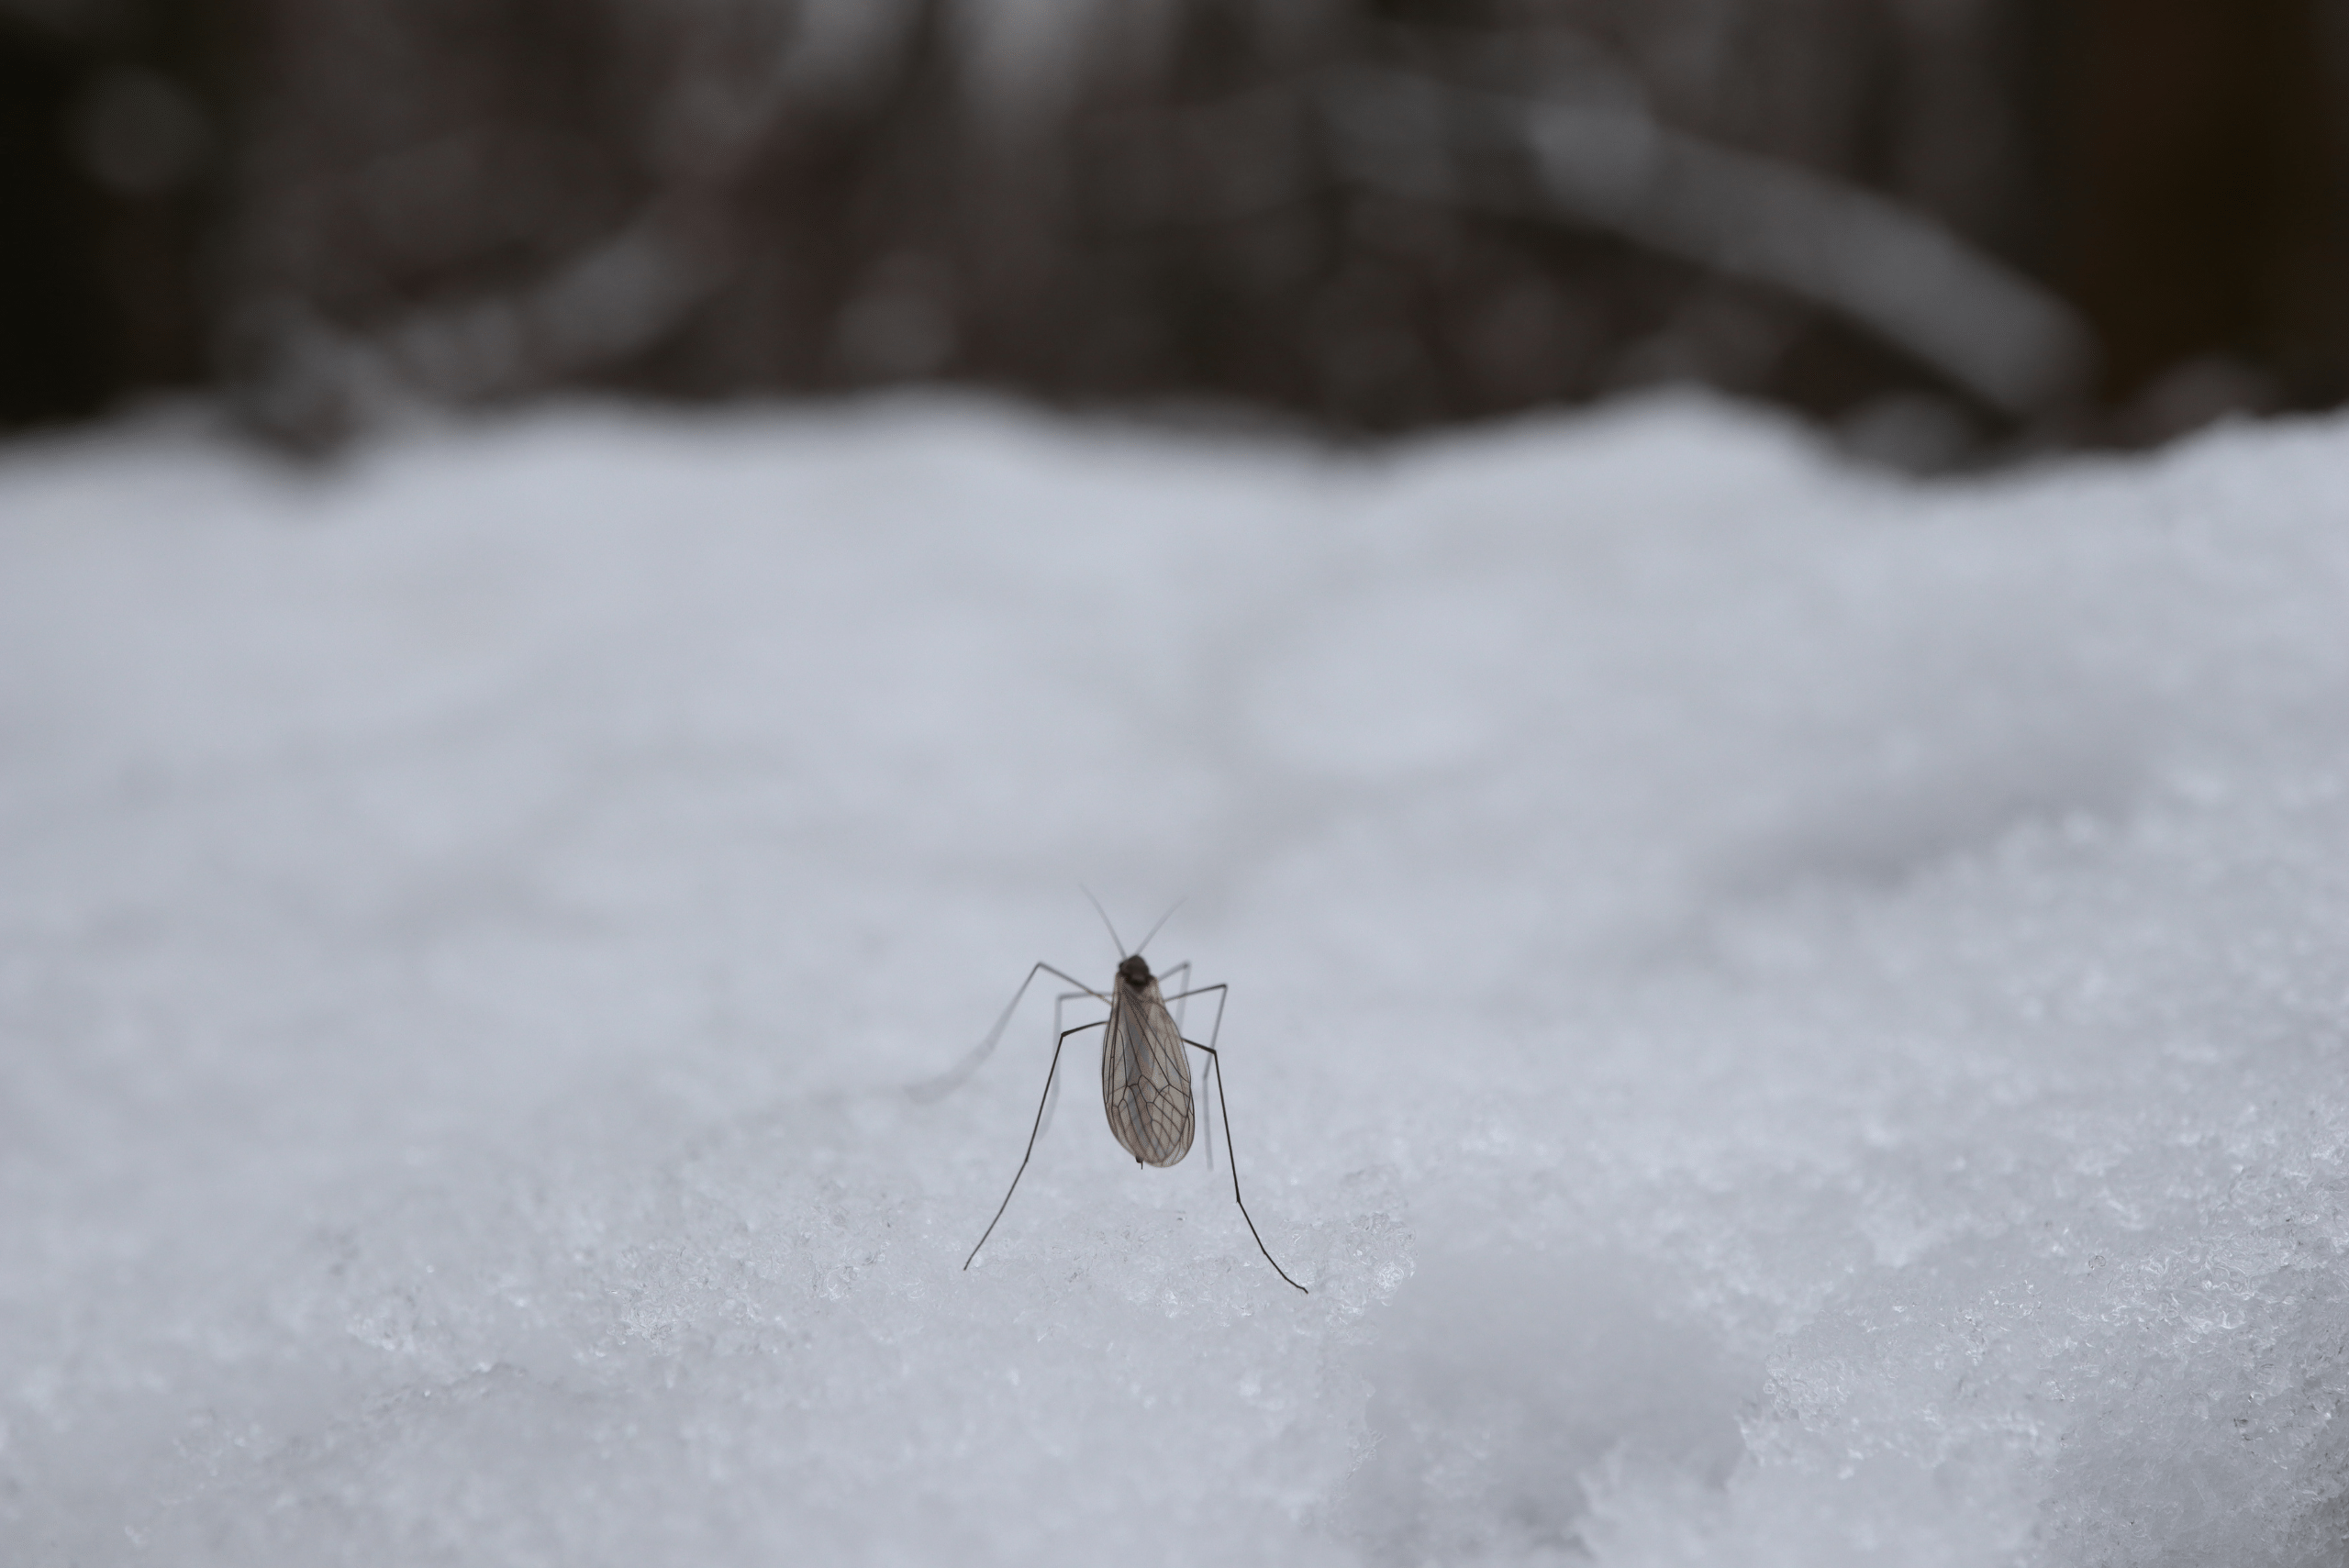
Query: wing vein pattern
[1146,1077]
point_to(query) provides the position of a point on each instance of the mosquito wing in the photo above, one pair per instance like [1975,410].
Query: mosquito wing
[1146,1078]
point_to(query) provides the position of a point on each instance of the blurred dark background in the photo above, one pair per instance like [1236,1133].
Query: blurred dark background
[1947,228]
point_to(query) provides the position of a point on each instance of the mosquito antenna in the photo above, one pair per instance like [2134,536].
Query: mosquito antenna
[1105,917]
[1161,921]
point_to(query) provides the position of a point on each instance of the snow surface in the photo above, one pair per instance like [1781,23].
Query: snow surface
[1786,1017]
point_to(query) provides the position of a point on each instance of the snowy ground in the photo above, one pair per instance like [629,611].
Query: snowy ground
[1786,1017]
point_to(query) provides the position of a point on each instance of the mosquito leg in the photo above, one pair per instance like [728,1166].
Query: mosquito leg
[1184,969]
[1221,989]
[1216,1062]
[1052,1093]
[1039,1128]
[1197,1098]
[951,1079]
[1214,1034]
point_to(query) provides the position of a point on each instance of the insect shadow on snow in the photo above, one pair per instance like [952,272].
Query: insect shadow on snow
[1145,1076]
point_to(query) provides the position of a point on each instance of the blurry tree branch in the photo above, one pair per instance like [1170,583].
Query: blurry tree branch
[1611,166]
[1372,213]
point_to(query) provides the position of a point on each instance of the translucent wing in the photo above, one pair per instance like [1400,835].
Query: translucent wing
[1146,1077]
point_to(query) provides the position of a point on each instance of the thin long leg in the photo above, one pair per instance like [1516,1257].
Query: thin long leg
[1039,1128]
[1182,968]
[1167,978]
[951,1079]
[1222,994]
[1217,1062]
[1065,999]
[1052,1093]
[1219,986]
[1222,990]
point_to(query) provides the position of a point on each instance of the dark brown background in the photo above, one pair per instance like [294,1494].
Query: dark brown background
[328,207]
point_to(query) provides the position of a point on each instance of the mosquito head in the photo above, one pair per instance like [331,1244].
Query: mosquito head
[1134,972]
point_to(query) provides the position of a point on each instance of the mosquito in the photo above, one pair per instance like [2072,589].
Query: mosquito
[1145,1076]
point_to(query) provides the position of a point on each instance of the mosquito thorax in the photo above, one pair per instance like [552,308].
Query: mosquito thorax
[1134,972]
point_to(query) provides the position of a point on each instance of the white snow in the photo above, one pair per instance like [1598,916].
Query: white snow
[1786,1017]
